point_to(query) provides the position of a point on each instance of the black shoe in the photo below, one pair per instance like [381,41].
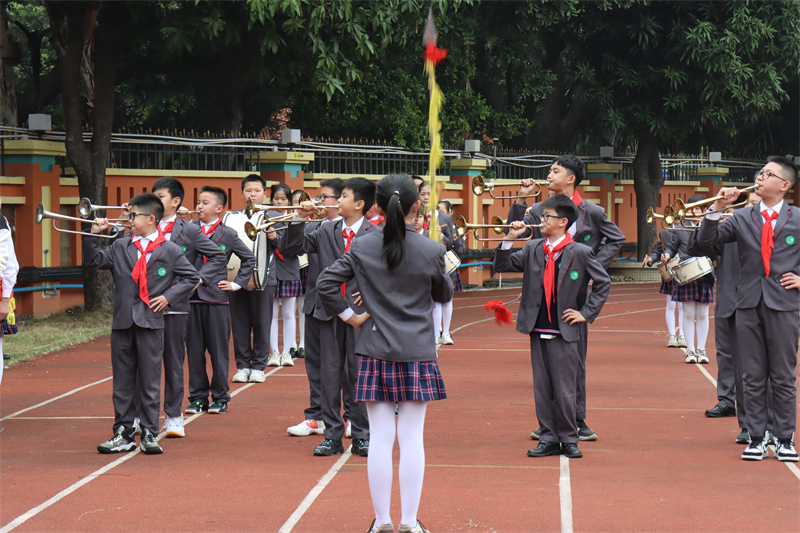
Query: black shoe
[293,352]
[584,433]
[149,443]
[218,408]
[720,411]
[545,448]
[195,408]
[570,449]
[360,447]
[535,433]
[6,357]
[743,437]
[301,353]
[329,447]
[122,441]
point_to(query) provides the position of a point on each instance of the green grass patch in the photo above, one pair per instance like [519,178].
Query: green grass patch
[40,336]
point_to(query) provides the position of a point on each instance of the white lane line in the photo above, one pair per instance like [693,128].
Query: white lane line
[311,496]
[51,400]
[97,473]
[62,417]
[565,495]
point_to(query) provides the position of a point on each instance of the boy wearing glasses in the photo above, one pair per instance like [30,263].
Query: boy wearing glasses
[555,303]
[767,302]
[149,273]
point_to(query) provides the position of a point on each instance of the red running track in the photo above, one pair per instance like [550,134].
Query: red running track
[659,465]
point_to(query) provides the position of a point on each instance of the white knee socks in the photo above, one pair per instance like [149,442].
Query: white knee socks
[288,323]
[670,315]
[447,315]
[437,319]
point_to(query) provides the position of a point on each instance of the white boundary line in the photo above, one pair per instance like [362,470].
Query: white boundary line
[51,400]
[565,495]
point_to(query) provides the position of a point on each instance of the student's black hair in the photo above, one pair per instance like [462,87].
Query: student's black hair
[298,192]
[447,205]
[563,206]
[335,184]
[696,198]
[222,197]
[788,166]
[415,178]
[363,189]
[396,195]
[254,177]
[148,203]
[423,184]
[174,187]
[574,164]
[287,191]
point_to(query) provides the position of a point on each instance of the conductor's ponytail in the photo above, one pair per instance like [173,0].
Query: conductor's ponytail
[395,194]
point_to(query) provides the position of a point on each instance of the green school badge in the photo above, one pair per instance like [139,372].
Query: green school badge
[183,250]
[790,239]
[586,239]
[223,247]
[573,275]
[162,272]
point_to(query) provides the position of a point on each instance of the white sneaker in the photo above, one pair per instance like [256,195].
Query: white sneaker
[446,338]
[347,430]
[672,342]
[702,357]
[785,451]
[274,359]
[756,451]
[691,357]
[286,359]
[418,528]
[306,428]
[242,376]
[137,428]
[257,376]
[439,341]
[174,428]
[681,341]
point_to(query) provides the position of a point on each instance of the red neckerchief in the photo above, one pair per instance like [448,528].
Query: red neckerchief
[767,238]
[348,234]
[140,268]
[167,228]
[211,229]
[576,198]
[377,221]
[550,270]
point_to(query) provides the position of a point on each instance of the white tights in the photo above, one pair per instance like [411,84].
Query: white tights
[288,324]
[410,423]
[671,316]
[301,322]
[692,310]
[442,315]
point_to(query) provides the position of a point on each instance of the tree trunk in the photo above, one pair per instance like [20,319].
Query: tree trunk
[233,67]
[8,86]
[647,182]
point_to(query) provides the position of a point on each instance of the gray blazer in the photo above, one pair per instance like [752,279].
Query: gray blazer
[578,266]
[400,302]
[592,227]
[169,273]
[744,227]
[728,266]
[228,241]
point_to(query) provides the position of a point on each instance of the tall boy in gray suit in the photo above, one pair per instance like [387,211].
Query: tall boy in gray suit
[149,273]
[554,304]
[767,301]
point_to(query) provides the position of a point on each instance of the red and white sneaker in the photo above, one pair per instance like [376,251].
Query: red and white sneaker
[306,428]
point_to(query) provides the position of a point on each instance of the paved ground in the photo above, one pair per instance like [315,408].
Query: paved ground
[658,465]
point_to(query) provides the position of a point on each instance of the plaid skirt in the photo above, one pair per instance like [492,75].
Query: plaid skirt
[6,329]
[457,285]
[700,291]
[389,381]
[303,280]
[667,287]
[289,289]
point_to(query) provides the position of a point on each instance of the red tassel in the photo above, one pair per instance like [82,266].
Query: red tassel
[434,54]
[501,314]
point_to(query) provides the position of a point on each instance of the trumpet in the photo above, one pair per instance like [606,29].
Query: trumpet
[497,225]
[86,207]
[42,214]
[479,186]
[668,216]
[250,207]
[681,208]
[252,231]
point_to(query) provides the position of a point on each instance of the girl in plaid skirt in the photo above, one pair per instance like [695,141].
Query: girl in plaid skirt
[8,272]
[397,354]
[443,314]
[667,288]
[300,301]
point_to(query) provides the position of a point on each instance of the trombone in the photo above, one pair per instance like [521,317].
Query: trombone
[250,207]
[42,213]
[479,186]
[252,231]
[497,225]
[668,216]
[86,207]
[681,208]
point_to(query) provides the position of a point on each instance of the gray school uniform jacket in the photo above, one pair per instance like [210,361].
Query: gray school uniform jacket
[744,227]
[578,266]
[400,302]
[169,273]
[228,241]
[728,266]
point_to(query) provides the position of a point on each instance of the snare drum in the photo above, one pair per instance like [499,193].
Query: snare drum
[303,260]
[451,262]
[235,220]
[665,269]
[692,269]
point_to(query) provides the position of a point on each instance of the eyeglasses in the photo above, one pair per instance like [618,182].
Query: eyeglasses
[545,217]
[765,175]
[323,197]
[133,215]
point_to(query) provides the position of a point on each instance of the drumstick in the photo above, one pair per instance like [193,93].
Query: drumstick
[652,247]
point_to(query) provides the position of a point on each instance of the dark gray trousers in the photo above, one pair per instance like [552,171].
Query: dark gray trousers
[729,366]
[251,314]
[339,367]
[313,369]
[768,345]
[209,329]
[555,365]
[136,355]
[583,346]
[173,356]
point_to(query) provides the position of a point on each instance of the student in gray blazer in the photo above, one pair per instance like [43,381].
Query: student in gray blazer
[149,274]
[553,319]
[399,275]
[767,301]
